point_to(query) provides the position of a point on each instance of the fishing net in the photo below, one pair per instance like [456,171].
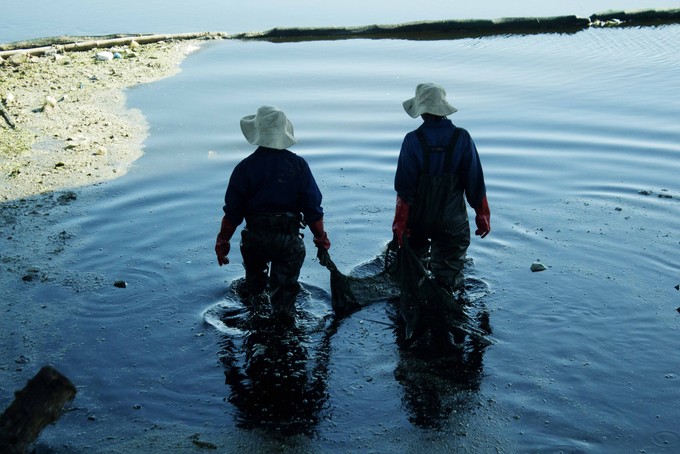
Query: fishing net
[371,282]
[401,276]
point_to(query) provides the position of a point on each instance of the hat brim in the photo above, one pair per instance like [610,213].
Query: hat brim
[279,140]
[415,110]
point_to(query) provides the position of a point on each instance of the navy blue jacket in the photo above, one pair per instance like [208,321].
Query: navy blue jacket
[465,162]
[272,181]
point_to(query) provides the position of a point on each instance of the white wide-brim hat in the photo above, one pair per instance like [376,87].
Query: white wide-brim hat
[269,127]
[430,98]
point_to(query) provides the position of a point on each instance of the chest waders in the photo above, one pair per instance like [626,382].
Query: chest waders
[273,253]
[438,218]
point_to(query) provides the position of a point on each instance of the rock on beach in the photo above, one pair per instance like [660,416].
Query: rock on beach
[538,266]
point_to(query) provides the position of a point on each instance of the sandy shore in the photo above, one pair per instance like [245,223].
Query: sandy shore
[72,127]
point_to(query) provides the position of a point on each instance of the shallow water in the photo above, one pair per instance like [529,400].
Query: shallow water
[579,141]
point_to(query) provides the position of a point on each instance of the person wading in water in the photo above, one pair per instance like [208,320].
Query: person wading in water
[438,169]
[275,192]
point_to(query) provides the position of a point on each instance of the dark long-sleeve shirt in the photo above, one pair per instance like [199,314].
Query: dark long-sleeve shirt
[272,181]
[465,161]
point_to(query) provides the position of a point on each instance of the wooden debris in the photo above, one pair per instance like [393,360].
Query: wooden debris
[40,403]
[106,43]
[7,116]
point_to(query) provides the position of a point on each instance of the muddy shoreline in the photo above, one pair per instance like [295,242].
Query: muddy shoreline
[71,125]
[65,127]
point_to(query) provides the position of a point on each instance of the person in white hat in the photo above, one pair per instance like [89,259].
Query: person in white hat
[438,169]
[275,192]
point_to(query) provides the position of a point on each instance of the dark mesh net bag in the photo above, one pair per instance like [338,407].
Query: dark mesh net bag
[368,283]
[401,276]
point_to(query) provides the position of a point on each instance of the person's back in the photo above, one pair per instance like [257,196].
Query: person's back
[437,133]
[273,190]
[273,181]
[438,165]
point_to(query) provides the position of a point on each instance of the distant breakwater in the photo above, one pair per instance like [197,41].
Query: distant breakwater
[424,30]
[471,28]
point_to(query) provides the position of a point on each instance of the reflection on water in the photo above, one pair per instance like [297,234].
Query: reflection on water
[277,374]
[435,387]
[440,372]
[273,389]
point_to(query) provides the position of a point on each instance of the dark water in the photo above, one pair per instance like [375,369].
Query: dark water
[580,145]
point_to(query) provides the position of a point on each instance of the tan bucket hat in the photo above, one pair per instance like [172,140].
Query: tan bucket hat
[269,127]
[430,98]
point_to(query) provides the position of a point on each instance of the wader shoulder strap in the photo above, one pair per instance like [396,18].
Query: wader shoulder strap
[427,150]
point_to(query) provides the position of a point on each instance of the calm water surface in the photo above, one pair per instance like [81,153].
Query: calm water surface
[30,19]
[581,150]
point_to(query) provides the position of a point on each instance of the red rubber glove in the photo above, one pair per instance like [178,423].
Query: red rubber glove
[320,236]
[483,218]
[222,245]
[400,223]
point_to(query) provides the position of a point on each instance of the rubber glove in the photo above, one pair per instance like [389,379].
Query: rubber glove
[399,225]
[483,218]
[320,236]
[222,245]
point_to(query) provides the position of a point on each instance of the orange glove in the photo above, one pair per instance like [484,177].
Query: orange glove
[483,218]
[222,245]
[320,236]
[399,225]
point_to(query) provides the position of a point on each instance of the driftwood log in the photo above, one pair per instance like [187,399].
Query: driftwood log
[7,116]
[61,44]
[40,403]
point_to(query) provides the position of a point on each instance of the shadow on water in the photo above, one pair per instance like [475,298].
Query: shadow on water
[440,366]
[278,375]
[440,378]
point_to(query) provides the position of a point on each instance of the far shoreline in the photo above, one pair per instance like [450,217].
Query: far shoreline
[65,121]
